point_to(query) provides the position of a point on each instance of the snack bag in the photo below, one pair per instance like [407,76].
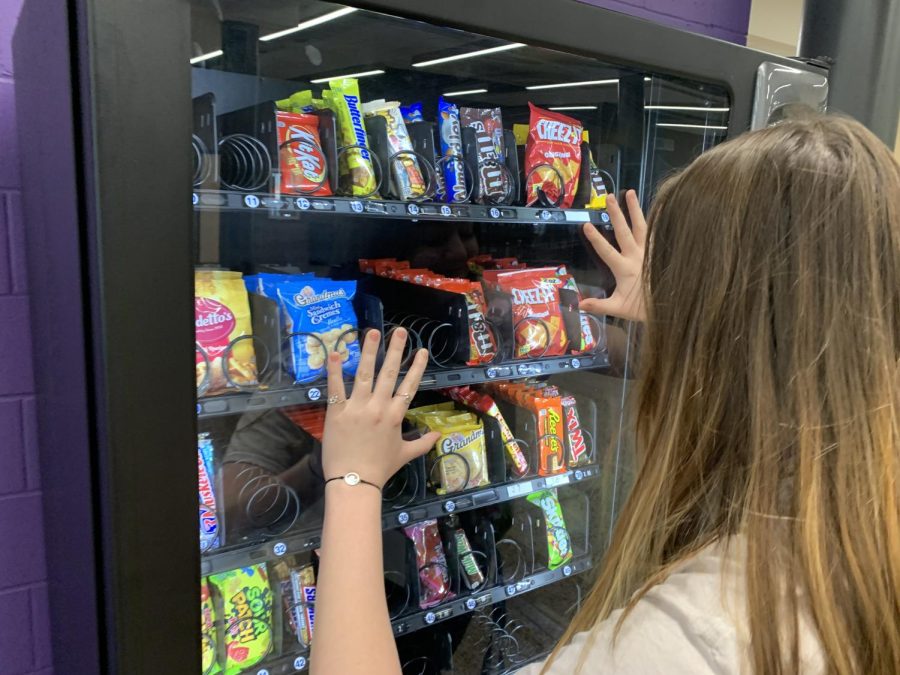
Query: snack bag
[462,434]
[539,327]
[451,146]
[493,180]
[300,102]
[584,341]
[300,155]
[406,174]
[559,545]
[554,140]
[209,520]
[472,574]
[434,576]
[208,642]
[487,406]
[482,344]
[357,176]
[576,449]
[412,113]
[298,593]
[319,312]
[550,429]
[597,198]
[221,315]
[247,603]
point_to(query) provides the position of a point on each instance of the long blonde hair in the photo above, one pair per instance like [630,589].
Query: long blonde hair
[769,402]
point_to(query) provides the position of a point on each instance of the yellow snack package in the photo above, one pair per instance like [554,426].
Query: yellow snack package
[414,414]
[225,356]
[300,102]
[208,641]
[357,176]
[463,435]
[247,614]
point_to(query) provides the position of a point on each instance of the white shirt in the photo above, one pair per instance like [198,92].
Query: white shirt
[693,623]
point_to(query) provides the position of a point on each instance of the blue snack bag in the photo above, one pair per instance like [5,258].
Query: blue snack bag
[451,146]
[320,312]
[412,113]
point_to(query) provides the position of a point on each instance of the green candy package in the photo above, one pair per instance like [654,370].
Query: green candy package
[247,616]
[559,544]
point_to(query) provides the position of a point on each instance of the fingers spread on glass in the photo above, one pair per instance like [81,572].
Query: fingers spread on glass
[638,222]
[390,369]
[337,395]
[607,252]
[365,372]
[410,384]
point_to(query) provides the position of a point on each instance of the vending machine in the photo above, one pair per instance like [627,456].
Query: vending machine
[241,189]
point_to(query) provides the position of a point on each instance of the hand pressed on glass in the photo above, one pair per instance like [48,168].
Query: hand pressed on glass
[627,301]
[363,431]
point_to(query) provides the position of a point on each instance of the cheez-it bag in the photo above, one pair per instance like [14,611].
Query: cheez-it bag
[553,140]
[538,321]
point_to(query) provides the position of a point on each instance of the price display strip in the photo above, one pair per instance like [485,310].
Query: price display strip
[299,660]
[257,552]
[264,399]
[292,207]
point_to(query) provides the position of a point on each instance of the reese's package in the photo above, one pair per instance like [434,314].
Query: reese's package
[553,147]
[221,315]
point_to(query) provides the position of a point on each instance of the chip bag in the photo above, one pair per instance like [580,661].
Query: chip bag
[301,159]
[357,176]
[434,575]
[208,642]
[554,140]
[537,318]
[221,316]
[559,544]
[320,318]
[247,613]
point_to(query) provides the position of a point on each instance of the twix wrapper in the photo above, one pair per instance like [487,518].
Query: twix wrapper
[576,449]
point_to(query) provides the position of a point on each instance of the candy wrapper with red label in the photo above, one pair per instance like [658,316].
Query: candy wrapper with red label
[209,521]
[493,180]
[559,544]
[301,159]
[576,448]
[406,174]
[434,576]
[554,140]
[487,406]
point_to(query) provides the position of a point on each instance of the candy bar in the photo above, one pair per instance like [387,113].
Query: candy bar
[559,546]
[576,448]
[451,148]
[209,522]
[300,155]
[434,577]
[487,406]
[406,174]
[472,574]
[357,177]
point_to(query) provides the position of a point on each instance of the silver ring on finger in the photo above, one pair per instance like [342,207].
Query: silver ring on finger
[336,400]
[406,396]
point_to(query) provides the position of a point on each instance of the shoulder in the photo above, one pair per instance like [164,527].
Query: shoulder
[688,624]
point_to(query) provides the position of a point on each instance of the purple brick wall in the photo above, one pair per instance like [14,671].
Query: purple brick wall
[723,19]
[24,624]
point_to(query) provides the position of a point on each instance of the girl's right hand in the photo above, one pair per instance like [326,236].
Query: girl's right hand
[627,300]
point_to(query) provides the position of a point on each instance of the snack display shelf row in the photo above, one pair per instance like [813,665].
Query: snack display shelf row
[437,507]
[263,399]
[299,660]
[292,207]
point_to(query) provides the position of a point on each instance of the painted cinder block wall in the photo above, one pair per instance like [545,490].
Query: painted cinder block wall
[24,625]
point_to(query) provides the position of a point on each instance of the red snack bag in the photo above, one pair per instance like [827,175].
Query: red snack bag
[538,321]
[300,155]
[434,575]
[482,345]
[553,140]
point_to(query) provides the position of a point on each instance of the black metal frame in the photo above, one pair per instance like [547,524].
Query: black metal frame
[132,93]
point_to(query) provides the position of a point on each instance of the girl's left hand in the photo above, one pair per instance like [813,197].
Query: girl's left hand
[363,431]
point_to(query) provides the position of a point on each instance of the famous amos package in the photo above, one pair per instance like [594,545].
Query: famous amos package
[319,318]
[301,159]
[357,175]
[222,329]
[552,157]
[246,614]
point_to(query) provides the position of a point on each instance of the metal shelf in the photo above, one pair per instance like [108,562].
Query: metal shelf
[291,207]
[436,507]
[263,399]
[466,604]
